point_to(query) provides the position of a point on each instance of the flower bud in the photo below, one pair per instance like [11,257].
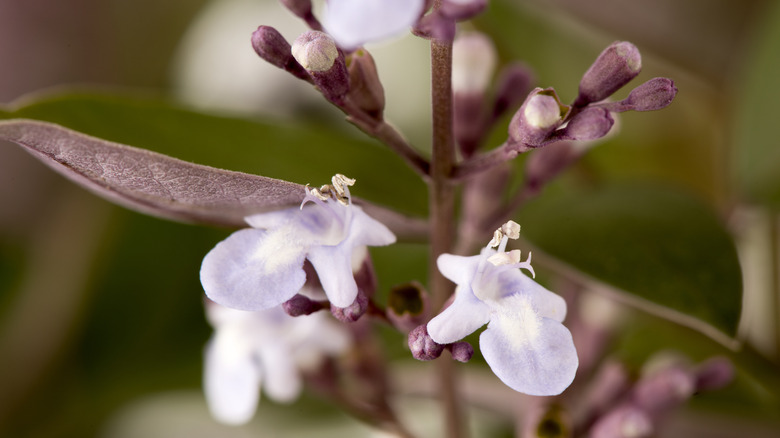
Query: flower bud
[665,389]
[300,305]
[615,67]
[537,118]
[422,346]
[714,373]
[624,421]
[354,311]
[512,86]
[461,351]
[653,95]
[317,53]
[546,163]
[273,48]
[301,8]
[435,26]
[365,88]
[473,62]
[590,124]
[462,9]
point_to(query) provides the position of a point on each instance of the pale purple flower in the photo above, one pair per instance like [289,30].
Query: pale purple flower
[353,23]
[262,267]
[267,348]
[525,343]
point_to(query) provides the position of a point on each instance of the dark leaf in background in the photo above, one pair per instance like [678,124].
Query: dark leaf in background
[652,242]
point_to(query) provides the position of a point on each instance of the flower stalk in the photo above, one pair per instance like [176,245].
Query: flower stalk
[441,211]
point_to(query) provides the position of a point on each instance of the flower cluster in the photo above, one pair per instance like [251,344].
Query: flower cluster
[543,119]
[271,327]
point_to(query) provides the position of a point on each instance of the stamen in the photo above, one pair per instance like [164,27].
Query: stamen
[510,230]
[497,236]
[339,191]
[505,258]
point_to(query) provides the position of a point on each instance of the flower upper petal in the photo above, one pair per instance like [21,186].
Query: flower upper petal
[254,269]
[529,353]
[353,23]
[230,378]
[367,231]
[458,269]
[465,315]
[334,268]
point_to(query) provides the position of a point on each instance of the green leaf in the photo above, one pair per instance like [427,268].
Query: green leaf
[755,142]
[654,243]
[302,153]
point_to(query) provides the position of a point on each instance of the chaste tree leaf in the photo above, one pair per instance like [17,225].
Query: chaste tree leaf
[662,250]
[163,186]
[149,182]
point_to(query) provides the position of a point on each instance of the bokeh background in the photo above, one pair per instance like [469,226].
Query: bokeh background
[101,318]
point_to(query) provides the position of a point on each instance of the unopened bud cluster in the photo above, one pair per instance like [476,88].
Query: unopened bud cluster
[657,393]
[539,122]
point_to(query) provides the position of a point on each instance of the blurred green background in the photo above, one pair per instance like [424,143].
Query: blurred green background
[101,320]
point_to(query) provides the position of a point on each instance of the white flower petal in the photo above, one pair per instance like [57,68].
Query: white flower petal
[334,268]
[282,382]
[458,269]
[529,353]
[548,304]
[465,315]
[272,219]
[231,379]
[253,270]
[367,231]
[353,23]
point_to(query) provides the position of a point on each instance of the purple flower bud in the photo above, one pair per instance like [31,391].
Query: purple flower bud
[623,422]
[461,351]
[273,48]
[435,26]
[714,373]
[546,163]
[540,115]
[422,346]
[512,86]
[365,88]
[301,305]
[354,311]
[317,53]
[469,121]
[589,124]
[665,389]
[653,95]
[615,67]
[473,62]
[462,9]
[300,8]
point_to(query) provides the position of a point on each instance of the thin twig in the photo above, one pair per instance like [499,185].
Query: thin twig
[388,135]
[487,161]
[441,211]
